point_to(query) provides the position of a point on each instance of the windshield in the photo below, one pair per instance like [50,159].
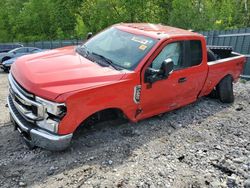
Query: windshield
[122,49]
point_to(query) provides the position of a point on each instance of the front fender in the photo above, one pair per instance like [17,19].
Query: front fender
[82,104]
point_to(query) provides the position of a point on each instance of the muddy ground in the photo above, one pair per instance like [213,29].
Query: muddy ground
[205,144]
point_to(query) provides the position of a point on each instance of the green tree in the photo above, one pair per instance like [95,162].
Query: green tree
[30,20]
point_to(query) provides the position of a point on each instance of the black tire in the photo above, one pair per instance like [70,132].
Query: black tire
[213,94]
[210,55]
[7,70]
[225,90]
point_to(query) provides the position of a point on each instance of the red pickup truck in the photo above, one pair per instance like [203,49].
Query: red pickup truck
[133,70]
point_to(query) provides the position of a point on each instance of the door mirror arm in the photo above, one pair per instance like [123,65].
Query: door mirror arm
[152,75]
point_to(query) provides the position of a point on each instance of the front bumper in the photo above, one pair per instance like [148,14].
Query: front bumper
[36,136]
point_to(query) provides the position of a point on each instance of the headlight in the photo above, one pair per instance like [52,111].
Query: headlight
[53,113]
[56,109]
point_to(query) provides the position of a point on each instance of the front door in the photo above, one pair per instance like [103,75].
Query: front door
[183,84]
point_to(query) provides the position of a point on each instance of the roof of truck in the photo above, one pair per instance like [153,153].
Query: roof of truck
[154,30]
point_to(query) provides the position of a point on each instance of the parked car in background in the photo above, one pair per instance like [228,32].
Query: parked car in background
[6,60]
[17,52]
[5,47]
[7,64]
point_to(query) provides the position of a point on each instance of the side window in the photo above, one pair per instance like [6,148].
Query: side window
[195,52]
[35,51]
[32,50]
[21,50]
[173,51]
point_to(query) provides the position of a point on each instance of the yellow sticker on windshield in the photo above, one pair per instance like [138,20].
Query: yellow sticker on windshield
[142,47]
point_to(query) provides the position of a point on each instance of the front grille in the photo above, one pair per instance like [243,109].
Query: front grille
[20,101]
[25,102]
[28,124]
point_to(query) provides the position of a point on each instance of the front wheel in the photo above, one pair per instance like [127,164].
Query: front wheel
[225,90]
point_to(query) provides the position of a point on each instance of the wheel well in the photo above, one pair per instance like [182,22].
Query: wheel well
[213,92]
[228,75]
[103,115]
[225,77]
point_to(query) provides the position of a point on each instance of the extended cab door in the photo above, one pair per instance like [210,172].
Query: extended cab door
[185,82]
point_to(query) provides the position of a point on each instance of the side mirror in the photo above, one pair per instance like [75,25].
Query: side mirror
[89,35]
[153,75]
[167,67]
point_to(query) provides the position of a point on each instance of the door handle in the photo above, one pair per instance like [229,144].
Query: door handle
[181,80]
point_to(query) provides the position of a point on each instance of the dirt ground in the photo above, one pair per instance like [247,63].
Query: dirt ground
[4,118]
[205,144]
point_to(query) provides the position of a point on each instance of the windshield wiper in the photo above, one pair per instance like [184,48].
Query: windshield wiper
[107,60]
[82,50]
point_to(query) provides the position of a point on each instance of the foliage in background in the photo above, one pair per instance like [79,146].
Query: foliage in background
[32,20]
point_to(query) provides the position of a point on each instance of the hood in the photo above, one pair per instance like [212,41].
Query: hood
[51,73]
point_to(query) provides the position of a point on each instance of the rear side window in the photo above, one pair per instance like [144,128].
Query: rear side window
[195,52]
[31,49]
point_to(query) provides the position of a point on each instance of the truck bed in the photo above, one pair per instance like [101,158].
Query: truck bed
[219,52]
[225,64]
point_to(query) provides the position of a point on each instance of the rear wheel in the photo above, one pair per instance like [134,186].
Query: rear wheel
[225,90]
[213,94]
